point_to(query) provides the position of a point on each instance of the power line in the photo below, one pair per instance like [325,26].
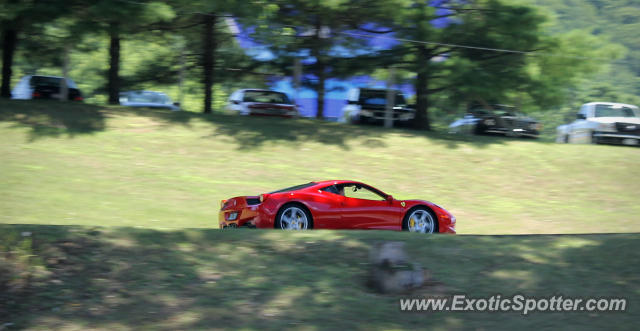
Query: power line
[502,50]
[490,49]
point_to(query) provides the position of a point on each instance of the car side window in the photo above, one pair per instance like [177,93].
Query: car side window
[360,192]
[584,110]
[331,189]
[235,96]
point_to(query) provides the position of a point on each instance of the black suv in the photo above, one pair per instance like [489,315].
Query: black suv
[497,119]
[368,105]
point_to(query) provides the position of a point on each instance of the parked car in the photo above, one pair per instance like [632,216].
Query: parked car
[603,122]
[148,99]
[334,204]
[262,103]
[368,105]
[44,87]
[496,119]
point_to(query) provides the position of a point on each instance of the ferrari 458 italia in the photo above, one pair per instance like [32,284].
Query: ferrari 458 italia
[335,204]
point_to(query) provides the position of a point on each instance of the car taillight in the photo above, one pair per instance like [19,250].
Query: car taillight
[78,98]
[36,94]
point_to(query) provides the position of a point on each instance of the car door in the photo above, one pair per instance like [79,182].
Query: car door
[235,102]
[364,208]
[327,208]
[579,130]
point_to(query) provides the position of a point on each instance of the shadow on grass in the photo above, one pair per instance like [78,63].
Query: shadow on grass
[204,279]
[180,280]
[49,118]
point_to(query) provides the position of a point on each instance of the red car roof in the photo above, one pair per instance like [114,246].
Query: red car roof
[339,181]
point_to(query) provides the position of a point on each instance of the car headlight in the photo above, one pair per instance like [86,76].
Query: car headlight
[232,216]
[606,127]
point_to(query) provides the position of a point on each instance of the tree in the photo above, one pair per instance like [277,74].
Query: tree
[432,32]
[19,17]
[120,19]
[597,29]
[202,26]
[318,30]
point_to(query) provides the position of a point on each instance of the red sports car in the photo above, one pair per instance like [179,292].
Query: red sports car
[334,204]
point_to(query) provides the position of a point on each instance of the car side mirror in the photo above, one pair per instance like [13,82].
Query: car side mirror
[352,102]
[389,198]
[581,116]
[236,102]
[177,104]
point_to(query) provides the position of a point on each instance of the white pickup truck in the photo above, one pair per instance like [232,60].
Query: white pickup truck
[603,122]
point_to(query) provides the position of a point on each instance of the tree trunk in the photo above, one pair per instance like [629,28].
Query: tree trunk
[390,100]
[208,59]
[321,90]
[9,43]
[181,78]
[421,121]
[320,68]
[113,85]
[64,87]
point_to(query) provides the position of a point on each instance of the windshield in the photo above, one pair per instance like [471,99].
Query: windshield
[495,109]
[49,81]
[501,112]
[379,98]
[614,111]
[146,97]
[294,188]
[266,97]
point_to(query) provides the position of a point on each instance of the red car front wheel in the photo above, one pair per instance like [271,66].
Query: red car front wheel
[420,220]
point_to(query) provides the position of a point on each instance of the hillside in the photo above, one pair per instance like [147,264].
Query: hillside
[77,164]
[110,223]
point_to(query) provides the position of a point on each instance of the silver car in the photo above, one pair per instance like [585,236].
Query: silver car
[148,99]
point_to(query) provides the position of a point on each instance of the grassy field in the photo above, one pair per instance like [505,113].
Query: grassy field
[108,217]
[89,165]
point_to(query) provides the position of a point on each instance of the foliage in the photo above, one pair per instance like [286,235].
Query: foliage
[585,50]
[600,35]
[316,31]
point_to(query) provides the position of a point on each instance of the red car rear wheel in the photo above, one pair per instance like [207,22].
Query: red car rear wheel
[293,216]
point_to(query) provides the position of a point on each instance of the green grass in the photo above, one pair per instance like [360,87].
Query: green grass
[124,278]
[118,209]
[88,165]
